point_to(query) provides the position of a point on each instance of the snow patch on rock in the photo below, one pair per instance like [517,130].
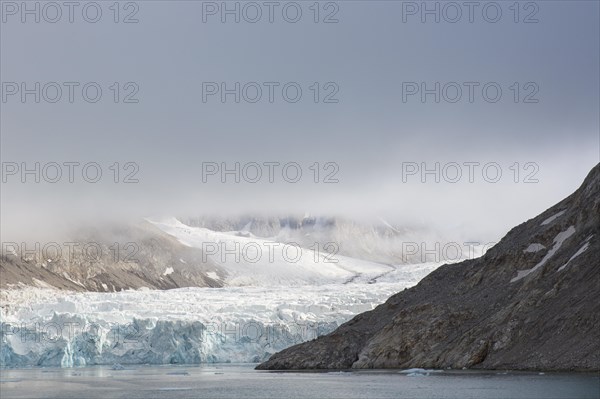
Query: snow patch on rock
[168,270]
[213,275]
[553,218]
[536,247]
[558,241]
[579,252]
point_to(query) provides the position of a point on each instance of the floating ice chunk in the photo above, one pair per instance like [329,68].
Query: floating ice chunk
[558,241]
[417,372]
[410,371]
[534,248]
[553,218]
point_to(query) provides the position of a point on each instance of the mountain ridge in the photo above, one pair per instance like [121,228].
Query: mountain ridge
[529,303]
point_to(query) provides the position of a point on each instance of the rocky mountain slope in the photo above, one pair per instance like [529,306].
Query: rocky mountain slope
[108,260]
[531,302]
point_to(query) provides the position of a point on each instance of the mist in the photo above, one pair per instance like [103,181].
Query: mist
[365,120]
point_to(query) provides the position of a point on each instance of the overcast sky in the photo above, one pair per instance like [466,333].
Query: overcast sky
[368,129]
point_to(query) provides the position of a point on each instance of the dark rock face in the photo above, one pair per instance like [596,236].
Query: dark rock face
[531,302]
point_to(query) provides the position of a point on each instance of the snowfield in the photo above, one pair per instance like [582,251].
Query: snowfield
[256,261]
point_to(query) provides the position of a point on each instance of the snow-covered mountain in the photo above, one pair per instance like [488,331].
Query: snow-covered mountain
[373,240]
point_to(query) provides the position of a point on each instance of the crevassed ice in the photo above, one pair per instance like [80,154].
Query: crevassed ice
[44,327]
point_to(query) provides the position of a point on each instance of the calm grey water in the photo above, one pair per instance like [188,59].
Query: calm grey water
[241,381]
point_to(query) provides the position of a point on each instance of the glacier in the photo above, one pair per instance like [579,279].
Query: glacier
[265,306]
[46,327]
[256,261]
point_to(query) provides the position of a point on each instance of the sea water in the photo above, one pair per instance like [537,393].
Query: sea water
[242,381]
